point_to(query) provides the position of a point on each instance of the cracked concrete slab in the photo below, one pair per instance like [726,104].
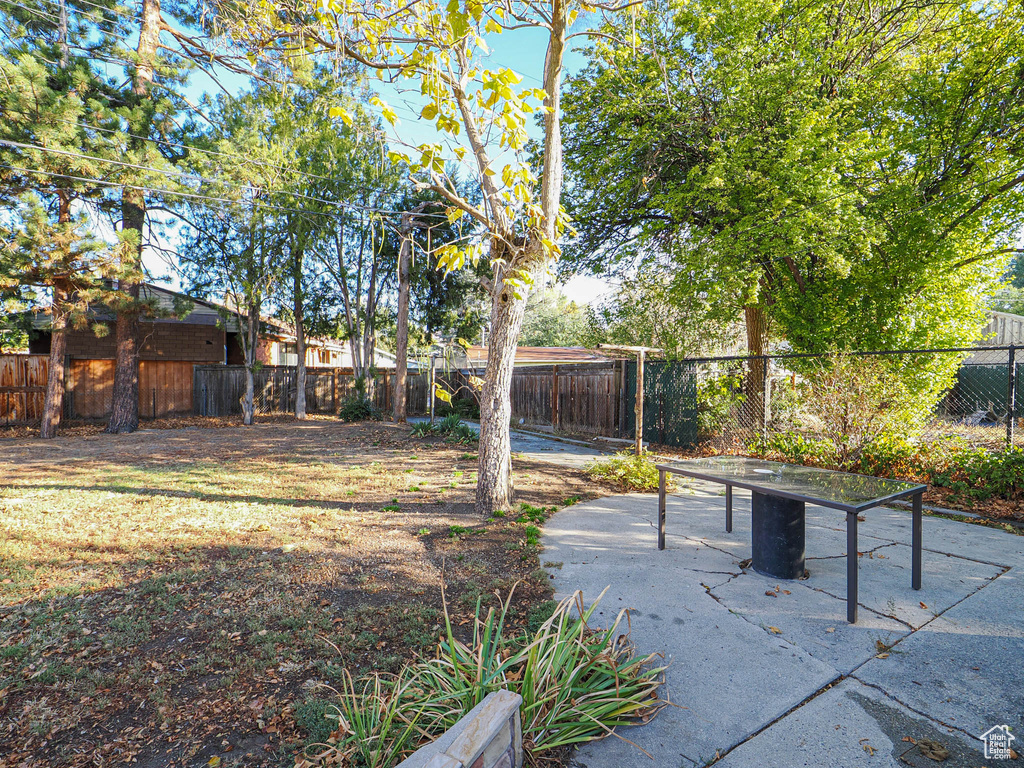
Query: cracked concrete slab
[765,699]
[853,724]
[813,620]
[966,668]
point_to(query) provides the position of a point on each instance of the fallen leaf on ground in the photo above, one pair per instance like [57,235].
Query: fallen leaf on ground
[932,749]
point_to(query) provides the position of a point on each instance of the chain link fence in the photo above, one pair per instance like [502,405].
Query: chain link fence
[731,403]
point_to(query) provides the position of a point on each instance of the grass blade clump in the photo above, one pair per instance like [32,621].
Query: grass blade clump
[578,684]
[626,471]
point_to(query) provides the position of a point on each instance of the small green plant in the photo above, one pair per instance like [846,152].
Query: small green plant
[626,471]
[423,532]
[529,514]
[358,409]
[982,474]
[450,427]
[422,429]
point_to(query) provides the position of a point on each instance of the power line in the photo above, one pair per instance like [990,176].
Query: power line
[189,195]
[236,158]
[250,189]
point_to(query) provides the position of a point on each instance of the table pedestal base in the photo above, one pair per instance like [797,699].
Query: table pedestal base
[777,536]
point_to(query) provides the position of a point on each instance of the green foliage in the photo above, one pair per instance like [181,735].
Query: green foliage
[358,409]
[626,471]
[463,407]
[982,474]
[577,683]
[553,320]
[717,397]
[833,170]
[853,402]
[794,448]
[451,427]
[422,429]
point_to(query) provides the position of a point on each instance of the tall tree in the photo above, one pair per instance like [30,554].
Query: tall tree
[851,175]
[235,253]
[441,47]
[54,104]
[169,44]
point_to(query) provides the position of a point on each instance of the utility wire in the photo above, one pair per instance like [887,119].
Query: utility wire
[198,196]
[236,158]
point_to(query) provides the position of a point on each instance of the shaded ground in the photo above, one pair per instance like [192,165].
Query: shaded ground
[179,596]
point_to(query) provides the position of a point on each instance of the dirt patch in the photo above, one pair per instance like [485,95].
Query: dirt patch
[173,596]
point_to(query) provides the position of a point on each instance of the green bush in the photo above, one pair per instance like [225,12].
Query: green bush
[794,448]
[358,409]
[626,471]
[716,398]
[465,408]
[577,684]
[981,474]
[451,427]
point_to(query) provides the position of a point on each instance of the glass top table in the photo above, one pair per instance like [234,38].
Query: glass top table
[839,490]
[779,493]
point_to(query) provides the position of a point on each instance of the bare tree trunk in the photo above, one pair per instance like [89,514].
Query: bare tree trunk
[300,344]
[124,413]
[251,339]
[494,490]
[53,405]
[757,344]
[402,333]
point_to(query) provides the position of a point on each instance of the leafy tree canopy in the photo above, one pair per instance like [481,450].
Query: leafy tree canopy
[851,173]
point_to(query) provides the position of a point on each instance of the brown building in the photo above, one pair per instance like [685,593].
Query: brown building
[170,347]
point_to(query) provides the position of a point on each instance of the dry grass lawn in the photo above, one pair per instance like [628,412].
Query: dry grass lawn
[180,597]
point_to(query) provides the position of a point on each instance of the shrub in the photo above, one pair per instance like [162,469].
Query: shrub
[464,408]
[981,474]
[451,427]
[358,408]
[626,471]
[717,396]
[577,684]
[857,401]
[795,448]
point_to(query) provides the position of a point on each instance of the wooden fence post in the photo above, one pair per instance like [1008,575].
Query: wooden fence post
[554,398]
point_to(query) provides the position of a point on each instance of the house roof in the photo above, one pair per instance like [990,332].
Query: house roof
[204,312]
[476,357]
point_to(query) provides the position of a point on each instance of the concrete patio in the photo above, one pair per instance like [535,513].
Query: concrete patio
[768,673]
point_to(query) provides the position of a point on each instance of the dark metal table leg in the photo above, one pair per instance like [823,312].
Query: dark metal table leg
[777,536]
[851,567]
[728,509]
[915,579]
[661,509]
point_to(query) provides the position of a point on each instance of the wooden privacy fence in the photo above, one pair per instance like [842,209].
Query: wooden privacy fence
[22,388]
[583,399]
[218,390]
